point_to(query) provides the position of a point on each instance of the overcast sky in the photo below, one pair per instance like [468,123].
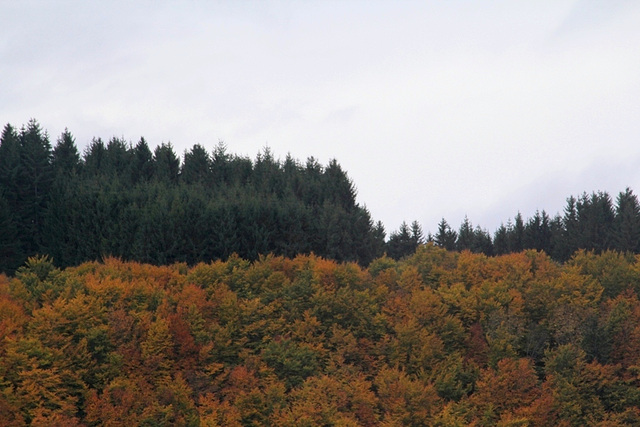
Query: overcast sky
[435,109]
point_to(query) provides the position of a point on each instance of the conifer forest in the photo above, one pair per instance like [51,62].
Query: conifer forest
[146,287]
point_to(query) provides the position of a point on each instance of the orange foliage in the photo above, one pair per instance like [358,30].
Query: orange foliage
[440,338]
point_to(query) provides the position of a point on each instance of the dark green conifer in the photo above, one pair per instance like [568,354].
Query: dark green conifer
[401,243]
[446,237]
[196,166]
[35,177]
[166,163]
[141,162]
[466,235]
[9,164]
[626,229]
[94,158]
[66,158]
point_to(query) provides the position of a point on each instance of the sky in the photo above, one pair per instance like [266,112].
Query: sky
[435,109]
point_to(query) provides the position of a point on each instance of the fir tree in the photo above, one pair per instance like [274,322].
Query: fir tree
[196,166]
[94,158]
[141,162]
[9,164]
[466,235]
[446,237]
[401,243]
[626,229]
[166,164]
[501,244]
[66,158]
[35,177]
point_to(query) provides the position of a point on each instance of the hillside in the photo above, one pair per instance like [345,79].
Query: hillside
[440,338]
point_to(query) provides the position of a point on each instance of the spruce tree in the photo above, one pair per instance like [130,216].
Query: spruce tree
[338,186]
[141,162]
[446,237]
[196,166]
[417,236]
[9,164]
[482,242]
[35,177]
[596,216]
[66,158]
[11,253]
[516,234]
[117,159]
[572,234]
[538,232]
[501,242]
[401,243]
[94,158]
[166,164]
[220,164]
[466,235]
[626,229]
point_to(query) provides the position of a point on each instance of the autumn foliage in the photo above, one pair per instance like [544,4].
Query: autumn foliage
[440,338]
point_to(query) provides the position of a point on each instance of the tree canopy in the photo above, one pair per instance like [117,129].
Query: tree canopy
[440,338]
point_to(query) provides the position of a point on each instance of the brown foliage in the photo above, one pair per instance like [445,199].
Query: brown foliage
[437,339]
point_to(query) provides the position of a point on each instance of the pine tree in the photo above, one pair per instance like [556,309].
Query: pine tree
[501,242]
[166,163]
[117,159]
[417,236]
[368,238]
[571,224]
[558,247]
[11,255]
[311,190]
[196,166]
[9,164]
[446,237]
[626,229]
[94,158]
[338,187]
[377,240]
[538,232]
[35,177]
[141,163]
[596,216]
[400,243]
[465,235]
[220,164]
[66,158]
[266,174]
[482,242]
[239,171]
[516,234]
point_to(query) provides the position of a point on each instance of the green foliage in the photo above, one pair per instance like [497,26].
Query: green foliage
[292,363]
[125,201]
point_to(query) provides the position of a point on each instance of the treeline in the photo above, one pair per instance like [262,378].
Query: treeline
[438,339]
[591,222]
[120,199]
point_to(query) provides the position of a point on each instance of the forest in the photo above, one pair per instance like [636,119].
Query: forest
[124,200]
[439,338]
[138,287]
